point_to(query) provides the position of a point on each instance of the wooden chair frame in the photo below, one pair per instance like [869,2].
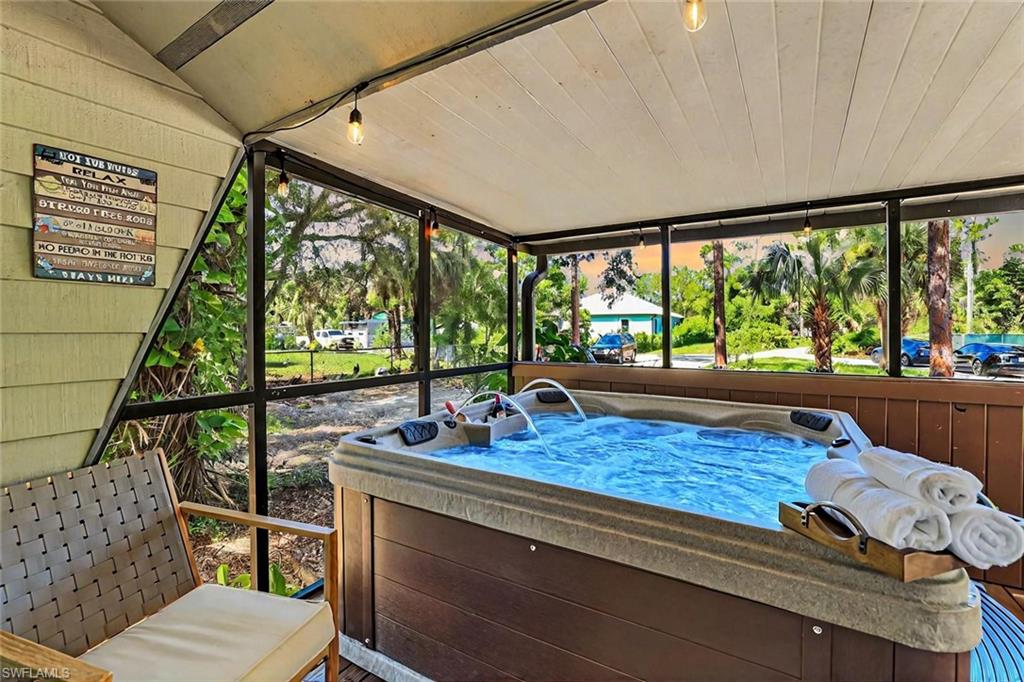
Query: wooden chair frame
[69,508]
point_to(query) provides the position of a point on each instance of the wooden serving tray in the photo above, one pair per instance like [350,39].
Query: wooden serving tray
[905,565]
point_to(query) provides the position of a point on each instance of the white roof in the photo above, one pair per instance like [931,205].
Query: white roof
[617,113]
[627,305]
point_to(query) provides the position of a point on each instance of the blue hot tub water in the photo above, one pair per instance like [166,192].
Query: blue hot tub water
[731,473]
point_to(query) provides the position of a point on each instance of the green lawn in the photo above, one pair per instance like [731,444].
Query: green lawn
[793,365]
[331,364]
[695,348]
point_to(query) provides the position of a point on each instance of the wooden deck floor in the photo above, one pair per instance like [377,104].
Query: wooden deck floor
[1010,597]
[350,672]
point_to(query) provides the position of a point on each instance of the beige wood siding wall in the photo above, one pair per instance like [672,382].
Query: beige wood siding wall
[69,78]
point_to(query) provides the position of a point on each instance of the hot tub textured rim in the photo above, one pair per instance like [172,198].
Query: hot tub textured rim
[771,566]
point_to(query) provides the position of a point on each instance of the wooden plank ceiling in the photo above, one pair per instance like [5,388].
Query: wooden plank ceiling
[617,113]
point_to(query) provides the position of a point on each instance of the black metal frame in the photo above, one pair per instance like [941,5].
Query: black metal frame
[258,157]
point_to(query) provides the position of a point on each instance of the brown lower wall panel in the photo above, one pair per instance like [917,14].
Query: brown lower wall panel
[977,425]
[724,623]
[634,649]
[458,601]
[432,658]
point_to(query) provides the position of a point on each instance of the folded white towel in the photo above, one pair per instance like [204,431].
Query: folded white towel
[986,537]
[893,517]
[949,488]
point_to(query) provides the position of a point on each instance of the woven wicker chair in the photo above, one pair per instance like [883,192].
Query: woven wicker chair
[96,563]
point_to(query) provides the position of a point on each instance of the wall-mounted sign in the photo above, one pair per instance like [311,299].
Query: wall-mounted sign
[93,220]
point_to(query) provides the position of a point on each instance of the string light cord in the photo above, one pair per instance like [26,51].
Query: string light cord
[469,41]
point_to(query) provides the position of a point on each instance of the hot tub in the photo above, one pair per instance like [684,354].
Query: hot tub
[478,552]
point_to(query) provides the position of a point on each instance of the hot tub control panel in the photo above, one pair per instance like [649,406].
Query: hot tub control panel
[811,420]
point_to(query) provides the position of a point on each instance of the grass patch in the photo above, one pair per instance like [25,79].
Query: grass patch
[332,364]
[796,365]
[695,348]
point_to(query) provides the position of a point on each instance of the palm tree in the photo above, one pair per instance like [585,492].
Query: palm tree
[718,274]
[940,317]
[818,272]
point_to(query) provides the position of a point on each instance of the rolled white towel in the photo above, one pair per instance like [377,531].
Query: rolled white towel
[949,488]
[893,517]
[986,537]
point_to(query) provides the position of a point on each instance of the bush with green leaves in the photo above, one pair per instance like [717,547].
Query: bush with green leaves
[647,343]
[694,329]
[558,346]
[857,342]
[278,584]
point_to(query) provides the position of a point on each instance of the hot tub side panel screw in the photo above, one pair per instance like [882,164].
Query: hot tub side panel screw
[817,630]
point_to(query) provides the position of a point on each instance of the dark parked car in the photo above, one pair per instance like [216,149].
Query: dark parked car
[912,352]
[617,348]
[990,358]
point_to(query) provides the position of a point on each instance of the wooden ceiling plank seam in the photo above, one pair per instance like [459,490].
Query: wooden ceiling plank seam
[718,68]
[632,86]
[591,54]
[454,138]
[798,62]
[225,17]
[814,96]
[515,137]
[711,144]
[1014,123]
[755,60]
[849,101]
[581,90]
[618,28]
[924,58]
[545,129]
[1003,107]
[1011,48]
[890,22]
[506,52]
[967,53]
[841,37]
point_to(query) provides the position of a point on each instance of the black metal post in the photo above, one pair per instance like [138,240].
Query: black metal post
[256,365]
[666,296]
[893,247]
[529,311]
[512,288]
[422,318]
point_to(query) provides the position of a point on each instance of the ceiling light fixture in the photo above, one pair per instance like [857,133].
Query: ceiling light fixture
[355,123]
[695,14]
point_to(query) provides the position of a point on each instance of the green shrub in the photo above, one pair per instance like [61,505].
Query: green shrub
[647,343]
[695,329]
[278,584]
[857,342]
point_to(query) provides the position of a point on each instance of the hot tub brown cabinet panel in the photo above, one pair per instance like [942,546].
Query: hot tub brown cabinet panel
[458,601]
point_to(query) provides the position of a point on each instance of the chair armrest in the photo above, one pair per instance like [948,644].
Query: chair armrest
[21,658]
[270,523]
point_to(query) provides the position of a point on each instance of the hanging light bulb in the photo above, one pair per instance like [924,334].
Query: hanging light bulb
[282,184]
[807,223]
[695,14]
[355,123]
[435,231]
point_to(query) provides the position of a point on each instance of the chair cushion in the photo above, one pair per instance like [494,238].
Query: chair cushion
[217,634]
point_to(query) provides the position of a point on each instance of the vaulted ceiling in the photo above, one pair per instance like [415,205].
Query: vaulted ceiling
[617,113]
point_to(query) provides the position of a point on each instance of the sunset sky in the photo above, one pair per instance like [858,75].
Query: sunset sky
[1009,230]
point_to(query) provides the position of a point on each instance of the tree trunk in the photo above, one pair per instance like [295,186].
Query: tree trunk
[575,300]
[718,272]
[395,327]
[821,331]
[940,319]
[972,254]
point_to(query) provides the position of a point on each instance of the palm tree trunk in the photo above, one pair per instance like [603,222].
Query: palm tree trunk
[821,331]
[718,273]
[575,300]
[940,318]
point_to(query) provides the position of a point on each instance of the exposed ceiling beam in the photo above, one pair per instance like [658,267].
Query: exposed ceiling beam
[1000,203]
[214,25]
[790,207]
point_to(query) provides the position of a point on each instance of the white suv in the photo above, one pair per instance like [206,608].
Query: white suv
[331,338]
